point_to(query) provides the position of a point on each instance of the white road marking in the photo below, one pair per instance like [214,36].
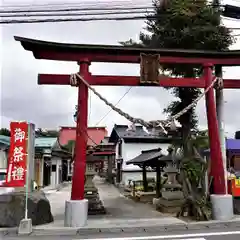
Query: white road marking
[190,236]
[192,239]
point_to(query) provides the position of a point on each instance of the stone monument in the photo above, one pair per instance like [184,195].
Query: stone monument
[95,205]
[172,195]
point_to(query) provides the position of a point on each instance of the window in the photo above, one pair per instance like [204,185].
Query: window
[120,148]
[54,168]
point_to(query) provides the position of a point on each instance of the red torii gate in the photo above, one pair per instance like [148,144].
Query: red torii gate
[86,54]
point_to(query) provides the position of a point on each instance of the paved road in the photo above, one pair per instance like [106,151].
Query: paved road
[117,206]
[230,234]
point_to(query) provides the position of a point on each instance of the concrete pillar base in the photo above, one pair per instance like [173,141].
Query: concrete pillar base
[222,207]
[155,201]
[25,227]
[76,213]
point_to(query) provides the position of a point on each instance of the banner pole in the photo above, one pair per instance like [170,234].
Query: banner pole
[26,200]
[27,176]
[25,225]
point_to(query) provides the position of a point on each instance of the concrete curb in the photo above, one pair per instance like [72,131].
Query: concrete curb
[58,188]
[64,231]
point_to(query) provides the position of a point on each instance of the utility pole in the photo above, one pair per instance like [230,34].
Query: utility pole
[220,118]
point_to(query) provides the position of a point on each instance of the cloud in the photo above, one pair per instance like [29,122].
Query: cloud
[53,106]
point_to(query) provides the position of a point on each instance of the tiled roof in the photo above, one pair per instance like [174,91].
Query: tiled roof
[146,156]
[233,144]
[124,132]
[105,141]
[38,46]
[39,142]
[45,142]
[96,134]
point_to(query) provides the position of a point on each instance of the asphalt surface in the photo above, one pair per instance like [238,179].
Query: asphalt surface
[220,234]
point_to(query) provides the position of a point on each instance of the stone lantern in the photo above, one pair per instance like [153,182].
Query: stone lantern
[95,205]
[172,195]
[171,171]
[89,174]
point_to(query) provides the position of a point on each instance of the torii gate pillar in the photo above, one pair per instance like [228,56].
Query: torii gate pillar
[76,210]
[217,170]
[220,117]
[81,136]
[222,203]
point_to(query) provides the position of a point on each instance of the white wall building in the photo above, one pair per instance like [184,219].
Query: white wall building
[3,159]
[56,174]
[130,144]
[51,162]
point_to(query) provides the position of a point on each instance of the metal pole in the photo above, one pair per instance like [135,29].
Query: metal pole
[27,175]
[220,118]
[26,204]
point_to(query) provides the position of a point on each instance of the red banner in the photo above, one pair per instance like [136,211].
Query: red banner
[17,159]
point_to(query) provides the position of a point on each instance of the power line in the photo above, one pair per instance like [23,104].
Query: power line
[114,105]
[82,20]
[72,20]
[138,13]
[75,14]
[101,3]
[77,9]
[110,11]
[84,131]
[75,19]
[87,7]
[94,3]
[90,106]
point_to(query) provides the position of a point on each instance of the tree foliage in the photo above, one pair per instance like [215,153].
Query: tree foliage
[184,24]
[5,132]
[192,177]
[191,25]
[46,133]
[70,146]
[39,132]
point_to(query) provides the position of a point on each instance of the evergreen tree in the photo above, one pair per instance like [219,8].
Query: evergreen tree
[184,24]
[5,132]
[187,24]
[70,146]
[46,133]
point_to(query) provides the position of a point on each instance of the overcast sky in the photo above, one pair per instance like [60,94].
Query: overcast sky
[53,106]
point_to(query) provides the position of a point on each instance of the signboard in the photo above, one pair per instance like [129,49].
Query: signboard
[237,182]
[235,187]
[17,160]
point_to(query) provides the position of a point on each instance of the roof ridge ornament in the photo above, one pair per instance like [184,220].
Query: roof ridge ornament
[131,127]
